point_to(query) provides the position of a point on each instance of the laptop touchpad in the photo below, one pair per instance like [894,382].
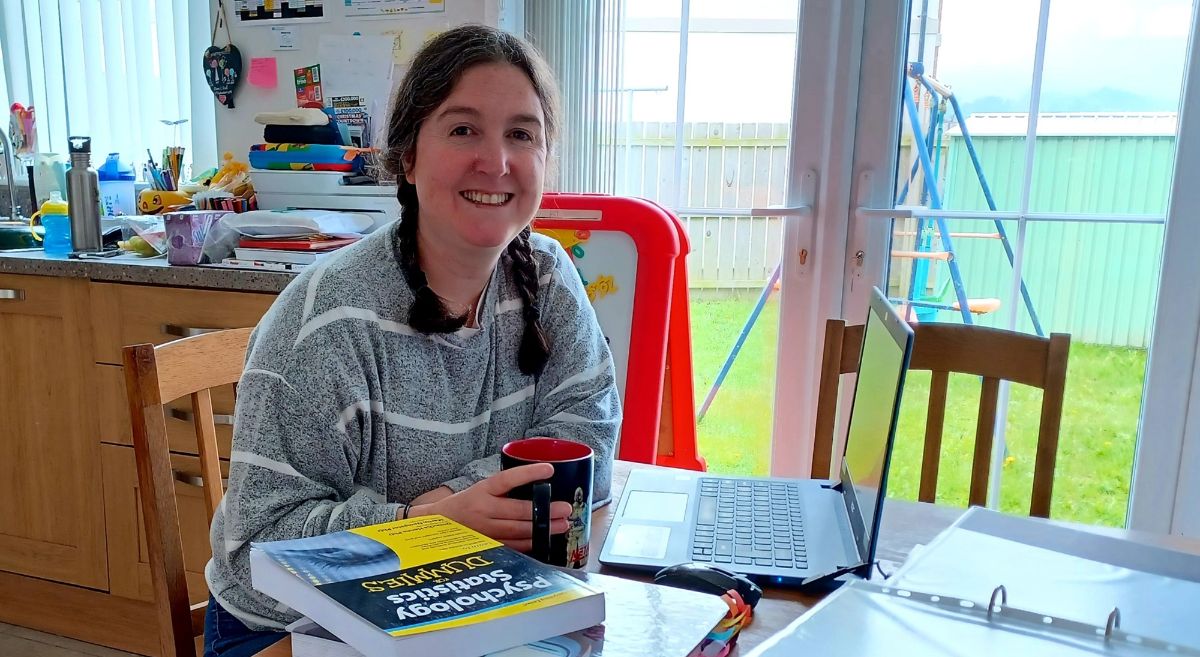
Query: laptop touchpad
[655,506]
[640,541]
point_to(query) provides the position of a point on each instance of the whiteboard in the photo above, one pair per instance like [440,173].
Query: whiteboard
[606,261]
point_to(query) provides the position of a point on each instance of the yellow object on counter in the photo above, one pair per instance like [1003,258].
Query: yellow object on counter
[154,201]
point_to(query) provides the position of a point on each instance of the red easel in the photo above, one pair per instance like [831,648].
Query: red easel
[658,401]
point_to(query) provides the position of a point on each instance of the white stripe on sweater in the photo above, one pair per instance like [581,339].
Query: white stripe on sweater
[570,417]
[254,371]
[314,283]
[452,428]
[579,377]
[350,312]
[240,456]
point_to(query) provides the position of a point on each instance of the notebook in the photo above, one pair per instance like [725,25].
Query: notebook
[780,531]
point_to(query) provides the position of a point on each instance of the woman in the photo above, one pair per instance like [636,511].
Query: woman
[383,382]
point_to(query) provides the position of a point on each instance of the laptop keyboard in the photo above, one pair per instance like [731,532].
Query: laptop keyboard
[747,523]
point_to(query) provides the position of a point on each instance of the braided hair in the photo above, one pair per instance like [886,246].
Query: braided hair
[435,70]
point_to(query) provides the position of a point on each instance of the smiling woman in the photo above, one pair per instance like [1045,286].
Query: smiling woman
[384,381]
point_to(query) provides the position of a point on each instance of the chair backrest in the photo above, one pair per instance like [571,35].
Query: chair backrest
[153,377]
[992,354]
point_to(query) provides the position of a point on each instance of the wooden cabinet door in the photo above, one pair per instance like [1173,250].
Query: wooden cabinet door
[51,511]
[128,559]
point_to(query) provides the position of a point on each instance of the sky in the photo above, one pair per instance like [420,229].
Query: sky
[1101,55]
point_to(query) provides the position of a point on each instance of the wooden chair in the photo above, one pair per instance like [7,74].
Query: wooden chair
[153,377]
[993,354]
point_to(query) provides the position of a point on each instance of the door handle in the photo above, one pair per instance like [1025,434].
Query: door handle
[186,331]
[13,294]
[898,212]
[194,480]
[186,416]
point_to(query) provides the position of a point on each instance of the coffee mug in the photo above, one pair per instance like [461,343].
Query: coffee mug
[573,464]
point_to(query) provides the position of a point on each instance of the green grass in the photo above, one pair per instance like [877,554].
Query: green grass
[1096,443]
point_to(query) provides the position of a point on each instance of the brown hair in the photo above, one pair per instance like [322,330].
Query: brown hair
[435,70]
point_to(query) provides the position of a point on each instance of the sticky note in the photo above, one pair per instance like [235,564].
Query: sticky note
[263,72]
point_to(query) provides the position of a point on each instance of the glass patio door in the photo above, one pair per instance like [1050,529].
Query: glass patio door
[707,128]
[1025,184]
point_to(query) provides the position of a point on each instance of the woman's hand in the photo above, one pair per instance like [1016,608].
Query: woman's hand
[439,493]
[485,508]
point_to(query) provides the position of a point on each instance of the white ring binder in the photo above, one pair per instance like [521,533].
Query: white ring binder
[1015,619]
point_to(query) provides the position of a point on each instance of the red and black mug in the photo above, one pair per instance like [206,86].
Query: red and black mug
[574,465]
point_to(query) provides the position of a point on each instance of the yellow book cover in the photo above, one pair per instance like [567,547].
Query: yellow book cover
[422,575]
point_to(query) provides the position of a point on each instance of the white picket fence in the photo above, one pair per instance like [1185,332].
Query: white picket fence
[725,165]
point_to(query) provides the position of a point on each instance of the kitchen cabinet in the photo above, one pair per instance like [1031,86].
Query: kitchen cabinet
[51,500]
[128,559]
[73,558]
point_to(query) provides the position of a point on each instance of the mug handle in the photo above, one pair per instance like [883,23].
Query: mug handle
[541,522]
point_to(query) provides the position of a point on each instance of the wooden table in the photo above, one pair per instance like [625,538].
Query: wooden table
[905,525]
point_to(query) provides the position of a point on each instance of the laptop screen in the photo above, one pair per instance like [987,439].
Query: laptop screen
[887,344]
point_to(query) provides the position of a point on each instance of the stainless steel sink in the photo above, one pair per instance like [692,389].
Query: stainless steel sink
[17,236]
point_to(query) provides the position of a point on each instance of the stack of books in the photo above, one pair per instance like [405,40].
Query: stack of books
[284,254]
[423,586]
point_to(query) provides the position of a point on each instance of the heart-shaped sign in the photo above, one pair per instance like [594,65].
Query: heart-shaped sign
[223,70]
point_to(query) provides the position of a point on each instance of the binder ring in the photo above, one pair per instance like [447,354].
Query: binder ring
[1114,622]
[1003,593]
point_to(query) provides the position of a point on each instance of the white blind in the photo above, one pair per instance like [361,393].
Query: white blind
[112,70]
[581,41]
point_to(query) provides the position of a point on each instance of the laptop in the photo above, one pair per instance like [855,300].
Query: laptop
[792,532]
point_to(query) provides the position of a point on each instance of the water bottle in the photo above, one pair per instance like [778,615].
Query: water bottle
[57,224]
[83,197]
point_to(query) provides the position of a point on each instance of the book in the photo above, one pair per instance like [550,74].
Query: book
[642,619]
[278,255]
[305,243]
[312,640]
[424,585]
[261,265]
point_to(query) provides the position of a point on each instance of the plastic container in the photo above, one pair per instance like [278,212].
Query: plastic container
[116,186]
[49,175]
[57,224]
[186,231]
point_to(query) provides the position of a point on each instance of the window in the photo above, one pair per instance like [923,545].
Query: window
[118,71]
[677,116]
[1041,201]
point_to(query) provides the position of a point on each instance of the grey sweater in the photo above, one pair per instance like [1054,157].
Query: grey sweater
[344,412]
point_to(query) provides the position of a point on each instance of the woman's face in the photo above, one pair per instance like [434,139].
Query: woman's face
[480,160]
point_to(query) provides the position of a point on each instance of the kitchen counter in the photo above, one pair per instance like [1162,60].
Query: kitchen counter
[150,271]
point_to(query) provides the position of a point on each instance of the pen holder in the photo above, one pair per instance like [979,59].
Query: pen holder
[186,232]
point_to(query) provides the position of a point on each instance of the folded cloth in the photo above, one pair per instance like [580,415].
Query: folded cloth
[303,134]
[306,157]
[294,116]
